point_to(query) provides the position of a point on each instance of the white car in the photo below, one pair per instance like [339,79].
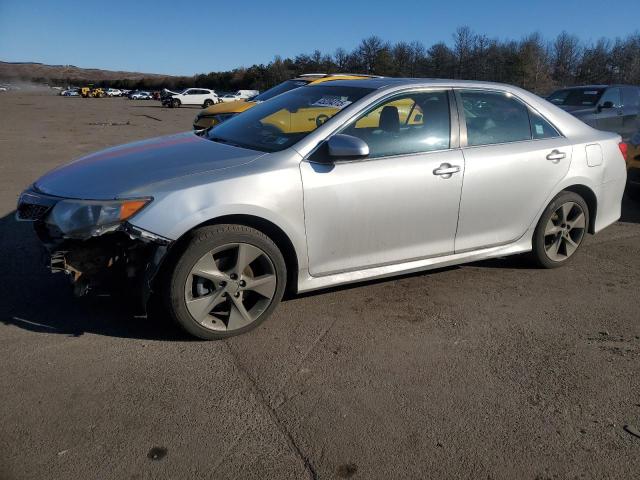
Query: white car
[113,92]
[141,96]
[230,97]
[193,96]
[239,95]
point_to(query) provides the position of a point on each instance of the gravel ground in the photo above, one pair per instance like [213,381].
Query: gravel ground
[489,370]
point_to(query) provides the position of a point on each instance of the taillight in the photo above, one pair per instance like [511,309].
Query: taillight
[624,148]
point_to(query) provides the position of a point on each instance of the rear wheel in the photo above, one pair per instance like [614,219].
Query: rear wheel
[227,281]
[560,230]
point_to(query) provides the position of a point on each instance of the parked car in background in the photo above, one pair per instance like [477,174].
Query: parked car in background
[192,96]
[239,95]
[246,94]
[217,114]
[613,108]
[140,95]
[165,93]
[234,217]
[633,164]
[71,92]
[230,97]
[113,92]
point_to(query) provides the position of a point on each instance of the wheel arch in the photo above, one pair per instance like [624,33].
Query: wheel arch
[591,199]
[270,229]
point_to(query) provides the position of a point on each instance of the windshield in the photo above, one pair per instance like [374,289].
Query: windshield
[278,89]
[576,97]
[276,125]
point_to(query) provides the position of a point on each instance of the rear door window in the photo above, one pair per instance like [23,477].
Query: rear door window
[494,117]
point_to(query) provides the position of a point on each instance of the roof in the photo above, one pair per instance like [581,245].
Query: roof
[574,87]
[384,82]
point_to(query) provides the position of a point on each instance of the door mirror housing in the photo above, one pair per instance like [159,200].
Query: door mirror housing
[343,146]
[605,105]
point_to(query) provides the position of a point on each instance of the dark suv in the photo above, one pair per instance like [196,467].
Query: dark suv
[614,108]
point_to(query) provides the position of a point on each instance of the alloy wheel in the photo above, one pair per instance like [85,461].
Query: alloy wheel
[229,287]
[564,231]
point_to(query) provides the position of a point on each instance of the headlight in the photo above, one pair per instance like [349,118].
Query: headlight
[85,218]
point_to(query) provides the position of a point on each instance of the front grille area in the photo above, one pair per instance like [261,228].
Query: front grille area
[31,211]
[33,206]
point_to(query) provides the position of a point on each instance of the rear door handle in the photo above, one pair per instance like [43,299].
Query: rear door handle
[446,170]
[556,156]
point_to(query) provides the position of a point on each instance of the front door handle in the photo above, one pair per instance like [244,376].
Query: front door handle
[446,170]
[556,156]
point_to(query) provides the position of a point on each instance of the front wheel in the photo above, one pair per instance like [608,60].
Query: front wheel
[560,230]
[207,103]
[175,103]
[228,280]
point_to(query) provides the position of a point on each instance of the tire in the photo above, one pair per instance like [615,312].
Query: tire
[175,103]
[560,230]
[218,305]
[207,103]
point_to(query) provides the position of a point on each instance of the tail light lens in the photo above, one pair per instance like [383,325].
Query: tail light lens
[624,149]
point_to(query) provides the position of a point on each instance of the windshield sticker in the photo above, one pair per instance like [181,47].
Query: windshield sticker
[332,101]
[539,130]
[590,92]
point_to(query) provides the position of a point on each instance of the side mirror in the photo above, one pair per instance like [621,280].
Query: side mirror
[605,105]
[347,147]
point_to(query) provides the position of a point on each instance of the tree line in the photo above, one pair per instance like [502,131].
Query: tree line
[533,62]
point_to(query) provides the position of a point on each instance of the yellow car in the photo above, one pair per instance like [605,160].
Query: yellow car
[220,112]
[307,119]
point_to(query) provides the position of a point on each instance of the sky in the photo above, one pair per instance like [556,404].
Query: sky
[185,38]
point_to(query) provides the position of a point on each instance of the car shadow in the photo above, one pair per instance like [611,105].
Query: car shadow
[36,300]
[631,207]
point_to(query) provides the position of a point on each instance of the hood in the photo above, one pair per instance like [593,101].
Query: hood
[577,110]
[227,107]
[118,171]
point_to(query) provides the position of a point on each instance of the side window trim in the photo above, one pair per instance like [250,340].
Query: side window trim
[463,124]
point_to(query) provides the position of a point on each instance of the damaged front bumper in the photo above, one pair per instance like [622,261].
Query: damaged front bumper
[123,260]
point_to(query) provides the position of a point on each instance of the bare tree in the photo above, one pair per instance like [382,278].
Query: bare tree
[369,52]
[401,54]
[566,51]
[340,58]
[534,63]
[463,41]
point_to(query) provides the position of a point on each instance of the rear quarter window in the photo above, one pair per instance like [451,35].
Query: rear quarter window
[540,128]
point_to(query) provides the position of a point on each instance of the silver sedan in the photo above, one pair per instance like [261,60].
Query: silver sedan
[327,185]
